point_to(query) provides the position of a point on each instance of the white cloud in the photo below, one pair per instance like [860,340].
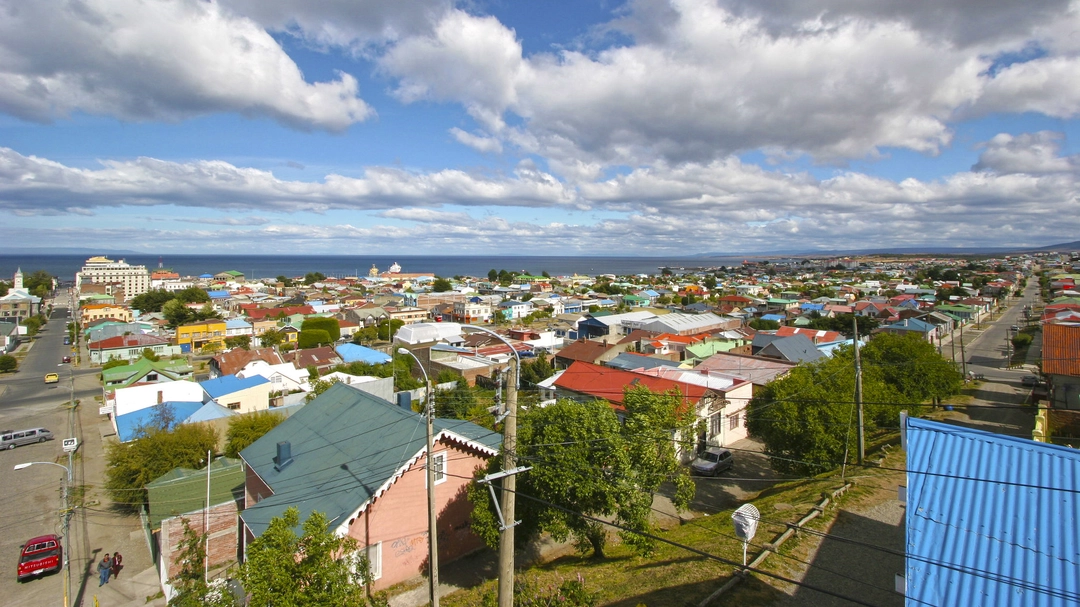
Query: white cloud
[161,60]
[1032,153]
[29,184]
[488,145]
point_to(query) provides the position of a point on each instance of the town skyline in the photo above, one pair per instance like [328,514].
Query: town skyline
[647,128]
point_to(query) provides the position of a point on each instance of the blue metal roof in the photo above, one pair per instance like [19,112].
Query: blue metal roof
[351,353]
[991,519]
[227,384]
[128,424]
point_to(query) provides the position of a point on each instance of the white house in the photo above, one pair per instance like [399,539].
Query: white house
[283,378]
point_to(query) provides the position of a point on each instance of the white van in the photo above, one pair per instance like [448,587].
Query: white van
[9,439]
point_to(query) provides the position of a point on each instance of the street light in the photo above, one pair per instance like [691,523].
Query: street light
[67,517]
[433,551]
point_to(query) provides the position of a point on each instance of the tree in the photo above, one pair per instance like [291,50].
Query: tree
[441,285]
[246,429]
[585,461]
[459,403]
[710,282]
[176,313]
[285,280]
[493,275]
[271,338]
[312,570]
[536,370]
[318,386]
[32,324]
[152,301]
[313,277]
[113,362]
[39,283]
[148,354]
[312,338]
[842,323]
[325,323]
[761,324]
[911,366]
[8,363]
[131,466]
[193,295]
[238,341]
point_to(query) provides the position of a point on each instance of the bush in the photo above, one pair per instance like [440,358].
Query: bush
[246,429]
[312,338]
[1021,340]
[8,363]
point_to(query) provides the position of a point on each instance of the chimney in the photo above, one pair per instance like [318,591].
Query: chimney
[404,400]
[160,397]
[284,455]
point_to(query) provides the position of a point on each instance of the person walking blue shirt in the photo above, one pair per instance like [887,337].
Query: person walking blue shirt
[104,569]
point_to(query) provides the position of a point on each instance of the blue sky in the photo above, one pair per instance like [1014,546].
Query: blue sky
[563,127]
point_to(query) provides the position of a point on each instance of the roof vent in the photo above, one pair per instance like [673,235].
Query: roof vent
[284,455]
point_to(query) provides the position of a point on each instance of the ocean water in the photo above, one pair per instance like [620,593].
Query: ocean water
[262,266]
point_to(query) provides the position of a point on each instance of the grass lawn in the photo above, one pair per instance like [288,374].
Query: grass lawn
[676,577]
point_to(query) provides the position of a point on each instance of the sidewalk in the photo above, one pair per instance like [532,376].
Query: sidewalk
[97,528]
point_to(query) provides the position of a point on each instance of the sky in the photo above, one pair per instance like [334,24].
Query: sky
[562,127]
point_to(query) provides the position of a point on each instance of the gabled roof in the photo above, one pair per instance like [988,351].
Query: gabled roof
[262,313]
[991,519]
[128,424]
[584,350]
[119,377]
[817,336]
[608,384]
[796,348]
[140,340]
[347,447]
[628,361]
[236,359]
[228,384]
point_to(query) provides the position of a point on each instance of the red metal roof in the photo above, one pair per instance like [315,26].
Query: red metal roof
[1061,349]
[609,384]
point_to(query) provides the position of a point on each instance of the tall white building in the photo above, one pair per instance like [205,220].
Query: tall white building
[102,270]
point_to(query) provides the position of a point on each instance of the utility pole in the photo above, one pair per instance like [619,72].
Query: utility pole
[858,391]
[506,538]
[433,547]
[963,357]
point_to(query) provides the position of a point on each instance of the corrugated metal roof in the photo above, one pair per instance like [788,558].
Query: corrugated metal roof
[1061,349]
[991,519]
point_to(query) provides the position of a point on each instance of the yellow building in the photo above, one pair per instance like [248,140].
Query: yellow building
[90,313]
[199,335]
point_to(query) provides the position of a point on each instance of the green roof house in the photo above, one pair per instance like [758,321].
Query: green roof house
[361,461]
[145,371]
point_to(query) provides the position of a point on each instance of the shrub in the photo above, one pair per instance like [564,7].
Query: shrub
[8,363]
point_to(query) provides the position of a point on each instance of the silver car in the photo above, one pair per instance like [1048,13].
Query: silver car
[712,461]
[9,439]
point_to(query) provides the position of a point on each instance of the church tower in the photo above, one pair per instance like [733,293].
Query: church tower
[18,279]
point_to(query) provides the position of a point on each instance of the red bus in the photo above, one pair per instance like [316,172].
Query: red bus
[40,555]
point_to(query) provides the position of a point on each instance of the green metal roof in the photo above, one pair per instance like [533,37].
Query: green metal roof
[183,490]
[124,376]
[346,446]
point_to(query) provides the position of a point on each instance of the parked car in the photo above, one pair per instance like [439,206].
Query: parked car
[712,461]
[52,378]
[1029,380]
[67,359]
[67,341]
[9,439]
[40,555]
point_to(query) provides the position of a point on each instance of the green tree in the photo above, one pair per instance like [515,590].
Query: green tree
[271,338]
[32,324]
[318,386]
[313,277]
[4,288]
[710,282]
[285,280]
[459,403]
[176,313]
[843,324]
[8,363]
[312,338]
[912,366]
[39,283]
[152,301]
[246,429]
[441,285]
[193,295]
[325,323]
[493,275]
[585,461]
[316,569]
[148,354]
[761,324]
[114,362]
[238,341]
[130,466]
[536,370]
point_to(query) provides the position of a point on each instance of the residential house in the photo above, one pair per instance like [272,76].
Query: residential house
[204,334]
[361,460]
[407,314]
[794,348]
[236,359]
[913,326]
[238,327]
[587,350]
[350,353]
[242,395]
[1061,363]
[93,312]
[129,347]
[755,369]
[9,337]
[323,358]
[284,378]
[145,371]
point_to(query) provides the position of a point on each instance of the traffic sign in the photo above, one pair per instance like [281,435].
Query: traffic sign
[70,444]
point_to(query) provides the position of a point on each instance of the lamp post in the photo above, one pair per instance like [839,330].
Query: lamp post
[433,550]
[67,517]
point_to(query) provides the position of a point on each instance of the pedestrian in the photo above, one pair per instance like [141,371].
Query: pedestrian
[104,570]
[116,564]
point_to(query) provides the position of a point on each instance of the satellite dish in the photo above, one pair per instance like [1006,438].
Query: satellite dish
[746,518]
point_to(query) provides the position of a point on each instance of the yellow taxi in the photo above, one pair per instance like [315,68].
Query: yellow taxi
[52,378]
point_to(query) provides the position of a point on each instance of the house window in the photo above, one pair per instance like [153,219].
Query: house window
[715,423]
[733,421]
[439,462]
[374,557]
[233,406]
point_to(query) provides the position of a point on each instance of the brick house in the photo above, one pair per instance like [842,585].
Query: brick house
[361,461]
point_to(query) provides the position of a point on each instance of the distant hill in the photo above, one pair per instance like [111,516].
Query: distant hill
[924,250]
